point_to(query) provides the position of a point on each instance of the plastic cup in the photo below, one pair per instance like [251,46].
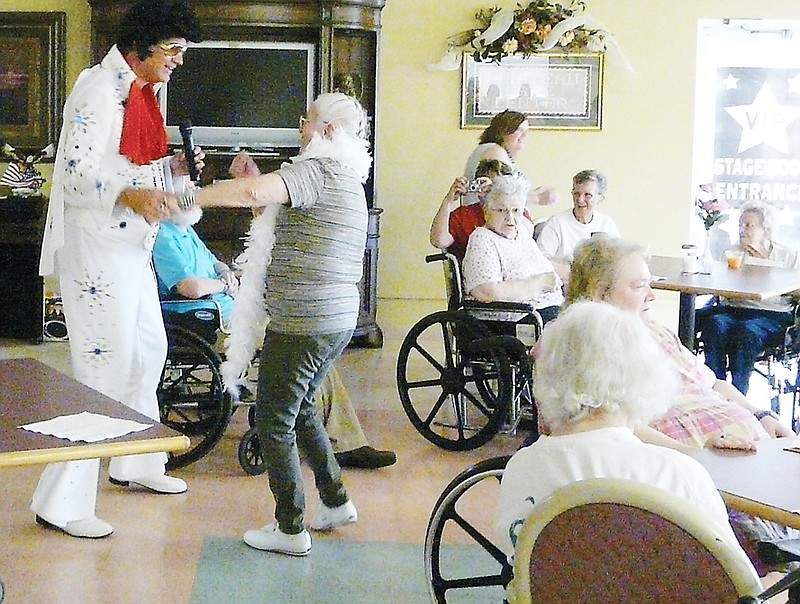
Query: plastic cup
[735,258]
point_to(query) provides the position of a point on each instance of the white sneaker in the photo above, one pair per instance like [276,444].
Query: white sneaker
[166,485]
[271,539]
[88,528]
[330,518]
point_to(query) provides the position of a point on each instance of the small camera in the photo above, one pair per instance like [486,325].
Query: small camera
[473,186]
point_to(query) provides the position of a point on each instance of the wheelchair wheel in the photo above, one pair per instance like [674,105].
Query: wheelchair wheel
[191,396]
[455,396]
[250,457]
[460,519]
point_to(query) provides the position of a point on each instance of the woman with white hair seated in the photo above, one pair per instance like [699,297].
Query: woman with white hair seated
[598,376]
[735,332]
[503,262]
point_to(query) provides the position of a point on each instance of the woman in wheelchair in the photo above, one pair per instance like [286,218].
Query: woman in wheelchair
[598,375]
[503,262]
[185,266]
[706,411]
[736,332]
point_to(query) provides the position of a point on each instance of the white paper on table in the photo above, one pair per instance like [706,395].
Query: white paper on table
[86,426]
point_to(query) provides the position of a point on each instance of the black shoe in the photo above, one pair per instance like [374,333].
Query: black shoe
[366,458]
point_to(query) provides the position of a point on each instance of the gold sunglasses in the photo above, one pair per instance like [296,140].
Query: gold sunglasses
[172,49]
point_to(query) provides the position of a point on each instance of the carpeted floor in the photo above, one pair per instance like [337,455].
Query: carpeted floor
[336,572]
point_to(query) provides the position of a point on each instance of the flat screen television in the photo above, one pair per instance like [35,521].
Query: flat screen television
[241,94]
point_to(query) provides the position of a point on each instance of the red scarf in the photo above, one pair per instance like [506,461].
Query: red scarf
[144,137]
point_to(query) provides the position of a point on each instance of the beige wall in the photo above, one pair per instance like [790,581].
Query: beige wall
[644,147]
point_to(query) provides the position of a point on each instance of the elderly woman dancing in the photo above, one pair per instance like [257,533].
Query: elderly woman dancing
[303,261]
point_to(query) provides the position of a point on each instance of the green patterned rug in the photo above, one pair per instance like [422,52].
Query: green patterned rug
[335,572]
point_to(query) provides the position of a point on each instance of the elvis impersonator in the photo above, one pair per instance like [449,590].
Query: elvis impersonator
[109,192]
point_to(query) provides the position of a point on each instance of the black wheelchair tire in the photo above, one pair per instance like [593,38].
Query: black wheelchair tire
[444,512]
[191,396]
[453,379]
[250,456]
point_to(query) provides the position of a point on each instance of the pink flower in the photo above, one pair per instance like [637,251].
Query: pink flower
[715,205]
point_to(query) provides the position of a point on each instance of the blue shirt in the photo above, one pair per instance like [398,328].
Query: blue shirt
[178,255]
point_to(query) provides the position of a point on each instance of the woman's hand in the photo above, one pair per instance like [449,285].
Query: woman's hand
[457,189]
[244,166]
[775,428]
[547,282]
[545,196]
[727,441]
[756,252]
[231,281]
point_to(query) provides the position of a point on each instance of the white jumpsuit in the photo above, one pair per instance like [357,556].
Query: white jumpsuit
[103,256]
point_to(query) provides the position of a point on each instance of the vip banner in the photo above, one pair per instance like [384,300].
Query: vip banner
[757,136]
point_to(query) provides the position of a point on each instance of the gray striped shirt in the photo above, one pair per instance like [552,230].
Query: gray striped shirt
[319,249]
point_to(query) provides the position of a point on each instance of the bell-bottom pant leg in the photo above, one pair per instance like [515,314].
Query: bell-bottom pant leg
[118,347]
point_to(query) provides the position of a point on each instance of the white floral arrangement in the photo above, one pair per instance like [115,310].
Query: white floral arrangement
[539,26]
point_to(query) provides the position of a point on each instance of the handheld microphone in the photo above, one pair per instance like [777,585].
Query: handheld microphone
[188,150]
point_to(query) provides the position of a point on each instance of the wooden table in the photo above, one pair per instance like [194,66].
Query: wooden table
[748,282]
[30,391]
[765,484]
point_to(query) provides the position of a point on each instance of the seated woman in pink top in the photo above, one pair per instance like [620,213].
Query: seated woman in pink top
[707,411]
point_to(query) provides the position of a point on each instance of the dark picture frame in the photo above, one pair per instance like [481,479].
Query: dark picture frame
[32,77]
[556,91]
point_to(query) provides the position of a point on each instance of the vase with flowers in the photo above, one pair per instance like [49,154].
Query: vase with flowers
[711,211]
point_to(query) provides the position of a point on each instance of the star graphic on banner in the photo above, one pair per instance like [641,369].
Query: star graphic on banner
[730,82]
[794,84]
[764,121]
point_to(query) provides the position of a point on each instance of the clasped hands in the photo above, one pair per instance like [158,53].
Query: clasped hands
[155,205]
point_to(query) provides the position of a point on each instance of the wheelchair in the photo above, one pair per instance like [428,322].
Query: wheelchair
[778,363]
[465,374]
[192,398]
[627,553]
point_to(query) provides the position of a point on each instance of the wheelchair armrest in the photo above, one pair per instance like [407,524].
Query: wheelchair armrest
[523,309]
[500,306]
[440,257]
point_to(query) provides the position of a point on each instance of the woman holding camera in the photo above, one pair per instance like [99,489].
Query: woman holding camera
[503,139]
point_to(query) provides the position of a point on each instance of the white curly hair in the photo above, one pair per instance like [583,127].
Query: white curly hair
[596,358]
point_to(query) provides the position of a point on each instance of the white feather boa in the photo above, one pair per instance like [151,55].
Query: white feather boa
[249,315]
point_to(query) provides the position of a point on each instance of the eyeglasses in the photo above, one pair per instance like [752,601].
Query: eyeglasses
[304,120]
[172,49]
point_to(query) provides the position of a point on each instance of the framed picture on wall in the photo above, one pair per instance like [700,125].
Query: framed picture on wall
[32,75]
[554,90]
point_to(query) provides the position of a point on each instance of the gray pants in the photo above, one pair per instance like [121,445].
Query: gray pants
[290,371]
